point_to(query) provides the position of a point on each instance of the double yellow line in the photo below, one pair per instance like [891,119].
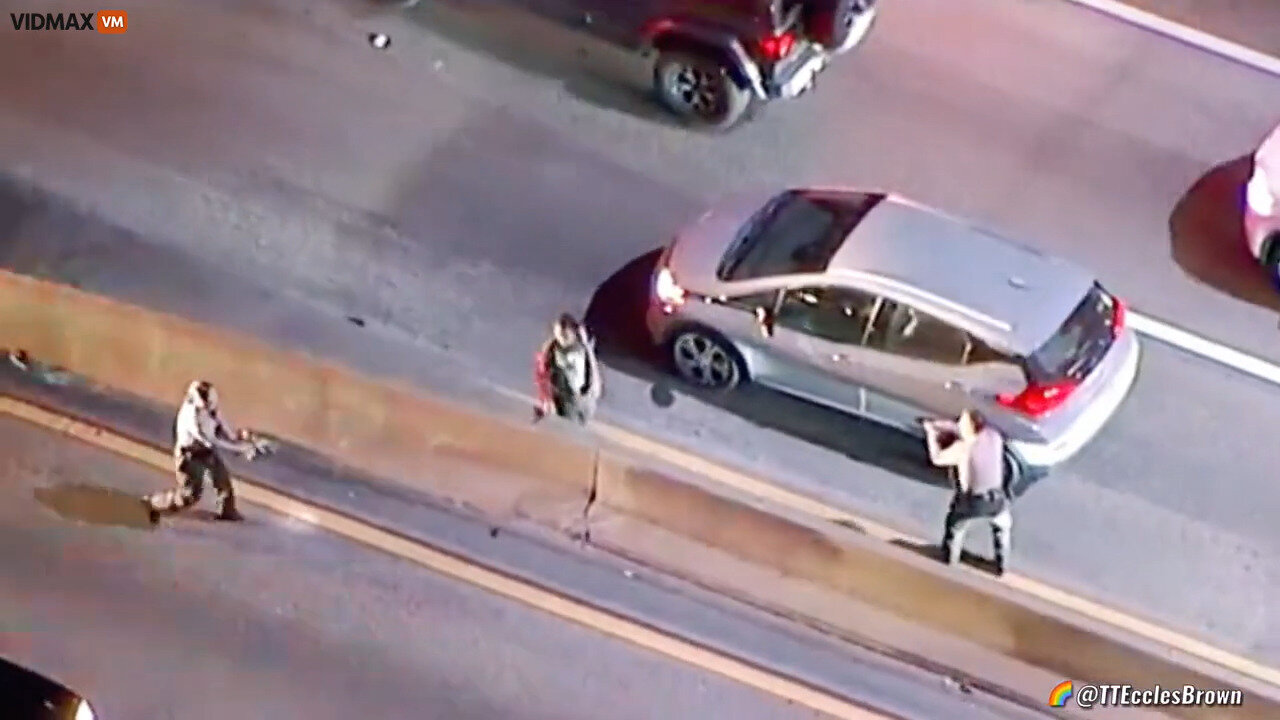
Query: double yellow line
[457,568]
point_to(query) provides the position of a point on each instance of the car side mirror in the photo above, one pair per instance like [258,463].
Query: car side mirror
[764,319]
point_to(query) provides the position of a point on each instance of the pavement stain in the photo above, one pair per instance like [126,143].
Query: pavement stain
[94,505]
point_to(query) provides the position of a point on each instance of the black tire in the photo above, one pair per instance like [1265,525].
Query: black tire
[700,89]
[1271,246]
[704,359]
[1018,475]
[830,22]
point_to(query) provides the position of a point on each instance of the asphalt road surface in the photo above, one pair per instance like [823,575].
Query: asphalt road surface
[275,618]
[457,191]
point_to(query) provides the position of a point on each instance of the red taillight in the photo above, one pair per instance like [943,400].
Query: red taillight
[776,47]
[1118,312]
[1036,400]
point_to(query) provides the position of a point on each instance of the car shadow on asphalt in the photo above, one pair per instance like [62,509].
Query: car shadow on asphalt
[1207,236]
[538,36]
[616,317]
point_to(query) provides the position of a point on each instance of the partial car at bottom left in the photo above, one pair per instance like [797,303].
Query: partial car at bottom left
[27,695]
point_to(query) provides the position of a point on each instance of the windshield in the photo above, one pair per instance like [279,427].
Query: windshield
[796,232]
[1079,345]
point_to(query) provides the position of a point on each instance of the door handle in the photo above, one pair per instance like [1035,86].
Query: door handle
[957,385]
[839,357]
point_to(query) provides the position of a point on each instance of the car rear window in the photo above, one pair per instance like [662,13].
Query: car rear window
[797,231]
[1079,345]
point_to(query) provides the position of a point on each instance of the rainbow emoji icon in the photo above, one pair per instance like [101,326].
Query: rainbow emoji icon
[1061,693]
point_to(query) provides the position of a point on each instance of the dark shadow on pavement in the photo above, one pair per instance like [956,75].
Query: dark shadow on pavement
[616,316]
[542,37]
[1208,239]
[95,505]
[934,552]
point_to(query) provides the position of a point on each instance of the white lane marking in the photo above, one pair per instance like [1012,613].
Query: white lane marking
[1189,35]
[1207,349]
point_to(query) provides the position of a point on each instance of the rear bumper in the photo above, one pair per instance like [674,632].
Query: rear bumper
[797,74]
[1041,457]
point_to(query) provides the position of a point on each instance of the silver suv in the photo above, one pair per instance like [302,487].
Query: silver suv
[874,305]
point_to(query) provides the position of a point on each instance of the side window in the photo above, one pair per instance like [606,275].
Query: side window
[839,315]
[981,353]
[749,303]
[903,330]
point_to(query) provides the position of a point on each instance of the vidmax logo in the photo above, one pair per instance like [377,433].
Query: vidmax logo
[107,22]
[1061,693]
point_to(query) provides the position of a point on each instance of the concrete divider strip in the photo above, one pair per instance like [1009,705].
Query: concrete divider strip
[918,591]
[824,512]
[381,427]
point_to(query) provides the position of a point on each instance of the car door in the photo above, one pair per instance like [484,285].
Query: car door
[821,329]
[915,366]
[735,318]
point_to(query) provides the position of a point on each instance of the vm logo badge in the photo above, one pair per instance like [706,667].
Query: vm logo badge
[107,22]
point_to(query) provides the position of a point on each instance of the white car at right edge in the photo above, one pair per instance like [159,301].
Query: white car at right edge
[1262,205]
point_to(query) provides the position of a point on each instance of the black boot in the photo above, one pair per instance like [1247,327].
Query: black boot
[1001,552]
[153,515]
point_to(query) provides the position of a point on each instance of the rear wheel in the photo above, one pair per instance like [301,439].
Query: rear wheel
[703,358]
[700,89]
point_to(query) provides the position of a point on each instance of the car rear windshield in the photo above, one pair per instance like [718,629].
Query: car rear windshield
[1079,345]
[797,231]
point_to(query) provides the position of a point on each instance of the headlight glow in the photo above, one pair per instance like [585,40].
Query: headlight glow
[1258,195]
[84,711]
[668,291]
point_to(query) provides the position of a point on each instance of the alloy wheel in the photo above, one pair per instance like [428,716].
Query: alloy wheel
[703,361]
[697,89]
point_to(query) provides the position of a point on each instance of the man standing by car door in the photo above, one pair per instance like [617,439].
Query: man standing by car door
[976,450]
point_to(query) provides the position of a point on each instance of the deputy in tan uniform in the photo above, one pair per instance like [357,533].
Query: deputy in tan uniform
[199,433]
[976,451]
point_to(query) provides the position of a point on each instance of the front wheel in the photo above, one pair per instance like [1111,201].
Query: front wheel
[700,89]
[706,360]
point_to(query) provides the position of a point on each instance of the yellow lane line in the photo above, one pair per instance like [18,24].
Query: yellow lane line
[549,602]
[1047,593]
